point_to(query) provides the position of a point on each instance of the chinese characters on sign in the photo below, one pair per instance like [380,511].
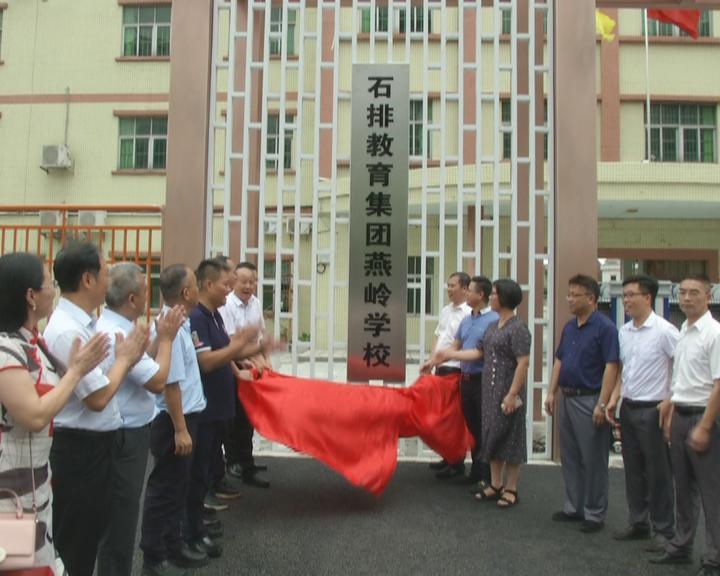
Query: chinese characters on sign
[378,223]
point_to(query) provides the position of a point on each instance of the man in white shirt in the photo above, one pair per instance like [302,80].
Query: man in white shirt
[85,429]
[647,347]
[450,317]
[126,300]
[242,308]
[692,420]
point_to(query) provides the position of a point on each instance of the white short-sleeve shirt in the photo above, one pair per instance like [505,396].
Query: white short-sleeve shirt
[697,362]
[646,353]
[448,323]
[236,314]
[135,402]
[66,323]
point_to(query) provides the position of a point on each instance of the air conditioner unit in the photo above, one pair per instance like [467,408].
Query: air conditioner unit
[50,218]
[270,227]
[304,227]
[91,218]
[56,157]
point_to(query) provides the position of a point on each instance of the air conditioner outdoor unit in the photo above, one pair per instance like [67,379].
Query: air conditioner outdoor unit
[91,218]
[56,157]
[50,218]
[304,227]
[270,227]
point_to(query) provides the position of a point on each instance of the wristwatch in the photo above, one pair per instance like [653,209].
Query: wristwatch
[602,406]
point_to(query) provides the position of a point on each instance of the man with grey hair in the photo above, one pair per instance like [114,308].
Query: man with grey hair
[126,300]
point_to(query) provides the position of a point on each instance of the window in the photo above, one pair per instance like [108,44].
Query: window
[682,133]
[381,19]
[414,284]
[506,21]
[268,290]
[506,120]
[276,28]
[666,29]
[416,128]
[417,19]
[143,143]
[273,138]
[146,31]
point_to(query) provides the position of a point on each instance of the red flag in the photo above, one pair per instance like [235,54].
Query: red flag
[686,20]
[354,429]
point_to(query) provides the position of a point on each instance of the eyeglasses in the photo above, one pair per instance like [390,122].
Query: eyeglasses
[575,295]
[633,294]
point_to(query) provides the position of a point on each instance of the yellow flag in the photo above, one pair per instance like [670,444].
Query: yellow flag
[604,26]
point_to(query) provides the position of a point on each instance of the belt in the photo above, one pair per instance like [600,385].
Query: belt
[687,410]
[443,370]
[640,403]
[579,391]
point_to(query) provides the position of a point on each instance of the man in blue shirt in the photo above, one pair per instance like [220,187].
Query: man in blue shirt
[585,369]
[126,299]
[173,435]
[216,353]
[467,348]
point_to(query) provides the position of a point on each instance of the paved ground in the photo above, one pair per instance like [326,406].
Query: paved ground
[311,522]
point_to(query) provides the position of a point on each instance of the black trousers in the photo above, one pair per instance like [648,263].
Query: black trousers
[167,489]
[239,440]
[130,456]
[471,399]
[648,476]
[210,437]
[81,462]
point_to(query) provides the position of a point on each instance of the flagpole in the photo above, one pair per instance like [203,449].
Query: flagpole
[647,85]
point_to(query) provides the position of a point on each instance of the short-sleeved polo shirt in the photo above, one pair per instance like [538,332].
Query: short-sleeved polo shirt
[66,323]
[585,350]
[135,402]
[184,371]
[470,334]
[208,333]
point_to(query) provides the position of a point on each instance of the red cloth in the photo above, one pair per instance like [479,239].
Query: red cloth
[686,20]
[354,429]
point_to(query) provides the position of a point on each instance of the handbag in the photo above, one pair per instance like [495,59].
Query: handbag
[17,531]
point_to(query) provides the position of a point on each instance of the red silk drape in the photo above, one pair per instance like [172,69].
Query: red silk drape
[354,429]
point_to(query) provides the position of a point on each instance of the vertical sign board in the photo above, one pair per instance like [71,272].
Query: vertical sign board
[379,163]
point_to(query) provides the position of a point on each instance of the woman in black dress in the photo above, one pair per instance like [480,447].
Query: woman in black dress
[506,348]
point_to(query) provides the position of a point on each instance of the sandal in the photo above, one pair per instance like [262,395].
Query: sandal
[488,492]
[505,503]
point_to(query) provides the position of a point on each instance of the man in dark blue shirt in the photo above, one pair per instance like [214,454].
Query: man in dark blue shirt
[586,365]
[216,353]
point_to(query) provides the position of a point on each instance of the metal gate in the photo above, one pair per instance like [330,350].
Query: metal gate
[481,188]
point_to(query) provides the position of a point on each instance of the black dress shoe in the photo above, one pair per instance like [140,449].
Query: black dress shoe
[707,570]
[591,526]
[635,532]
[187,557]
[235,470]
[206,545]
[562,516]
[451,472]
[667,558]
[259,468]
[164,568]
[255,480]
[438,465]
[214,530]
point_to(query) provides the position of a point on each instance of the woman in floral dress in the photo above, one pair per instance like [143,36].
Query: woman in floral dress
[506,353]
